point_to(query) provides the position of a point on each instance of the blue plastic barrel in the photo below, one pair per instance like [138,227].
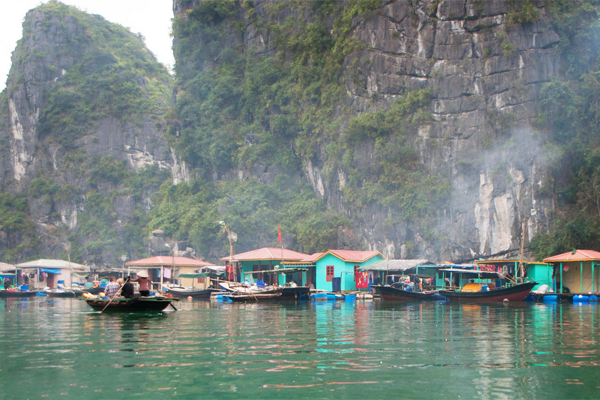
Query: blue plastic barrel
[24,288]
[593,298]
[580,298]
[551,298]
[350,297]
[61,282]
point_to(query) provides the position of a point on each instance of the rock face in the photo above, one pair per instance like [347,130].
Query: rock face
[57,41]
[484,72]
[485,75]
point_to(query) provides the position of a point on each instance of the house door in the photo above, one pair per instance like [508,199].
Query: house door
[50,281]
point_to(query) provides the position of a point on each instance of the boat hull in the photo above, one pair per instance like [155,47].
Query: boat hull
[197,294]
[130,305]
[255,297]
[8,294]
[293,293]
[514,293]
[394,294]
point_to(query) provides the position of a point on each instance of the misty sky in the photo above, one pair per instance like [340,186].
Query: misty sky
[151,18]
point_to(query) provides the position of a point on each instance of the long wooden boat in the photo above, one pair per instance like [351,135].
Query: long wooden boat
[197,294]
[16,294]
[243,297]
[517,292]
[128,305]
[391,293]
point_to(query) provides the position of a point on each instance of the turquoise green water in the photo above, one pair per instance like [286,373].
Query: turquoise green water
[59,348]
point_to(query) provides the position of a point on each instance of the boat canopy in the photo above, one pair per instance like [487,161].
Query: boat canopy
[51,270]
[194,276]
[395,265]
[482,274]
[279,271]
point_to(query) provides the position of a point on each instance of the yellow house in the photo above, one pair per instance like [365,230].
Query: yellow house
[576,271]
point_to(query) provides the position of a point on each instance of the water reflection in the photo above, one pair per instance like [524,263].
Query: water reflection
[362,349]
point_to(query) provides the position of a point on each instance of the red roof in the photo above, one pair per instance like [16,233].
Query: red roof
[268,253]
[312,258]
[352,255]
[168,261]
[579,255]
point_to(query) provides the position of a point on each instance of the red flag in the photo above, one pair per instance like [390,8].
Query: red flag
[279,234]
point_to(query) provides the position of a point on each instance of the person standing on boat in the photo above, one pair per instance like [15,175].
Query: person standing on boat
[112,287]
[128,290]
[144,281]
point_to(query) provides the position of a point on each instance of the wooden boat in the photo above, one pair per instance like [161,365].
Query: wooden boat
[395,293]
[16,294]
[243,297]
[517,292]
[62,293]
[187,292]
[128,305]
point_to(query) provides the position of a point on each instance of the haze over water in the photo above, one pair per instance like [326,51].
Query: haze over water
[60,348]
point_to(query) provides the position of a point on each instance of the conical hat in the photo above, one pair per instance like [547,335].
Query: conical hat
[142,274]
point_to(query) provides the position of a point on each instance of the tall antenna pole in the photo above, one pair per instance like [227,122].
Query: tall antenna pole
[522,246]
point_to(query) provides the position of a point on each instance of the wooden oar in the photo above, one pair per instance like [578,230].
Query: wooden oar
[159,291]
[114,297]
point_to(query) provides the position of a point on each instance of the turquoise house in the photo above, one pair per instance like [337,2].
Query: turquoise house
[342,267]
[252,263]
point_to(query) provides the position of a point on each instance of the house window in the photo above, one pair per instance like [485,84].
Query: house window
[330,272]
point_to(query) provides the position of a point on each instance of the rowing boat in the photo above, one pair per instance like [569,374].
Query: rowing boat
[157,303]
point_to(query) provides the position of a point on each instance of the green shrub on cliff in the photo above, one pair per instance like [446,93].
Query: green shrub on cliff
[114,76]
[568,116]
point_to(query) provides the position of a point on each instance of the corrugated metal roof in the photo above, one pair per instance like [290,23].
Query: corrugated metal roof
[312,258]
[44,263]
[268,253]
[6,267]
[352,255]
[579,255]
[395,265]
[166,261]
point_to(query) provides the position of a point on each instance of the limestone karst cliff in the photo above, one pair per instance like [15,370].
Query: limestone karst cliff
[421,128]
[451,172]
[82,116]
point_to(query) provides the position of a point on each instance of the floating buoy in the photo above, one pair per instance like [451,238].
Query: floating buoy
[505,301]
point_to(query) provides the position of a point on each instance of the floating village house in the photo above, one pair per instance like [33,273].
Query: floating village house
[540,272]
[7,271]
[169,267]
[51,273]
[576,272]
[390,271]
[339,270]
[257,262]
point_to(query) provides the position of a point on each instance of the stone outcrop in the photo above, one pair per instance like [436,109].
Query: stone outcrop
[51,46]
[485,74]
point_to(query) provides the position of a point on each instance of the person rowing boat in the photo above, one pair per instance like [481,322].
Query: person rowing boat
[144,282]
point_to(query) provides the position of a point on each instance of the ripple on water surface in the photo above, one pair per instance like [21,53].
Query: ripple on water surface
[61,347]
